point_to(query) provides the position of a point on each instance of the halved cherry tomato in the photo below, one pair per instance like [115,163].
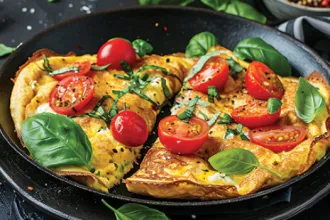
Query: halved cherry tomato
[129,128]
[255,114]
[214,73]
[83,69]
[71,94]
[114,51]
[181,137]
[278,138]
[262,83]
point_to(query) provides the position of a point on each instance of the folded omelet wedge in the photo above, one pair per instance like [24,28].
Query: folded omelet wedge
[163,174]
[111,159]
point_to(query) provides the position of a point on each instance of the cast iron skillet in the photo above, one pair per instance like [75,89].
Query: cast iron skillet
[87,33]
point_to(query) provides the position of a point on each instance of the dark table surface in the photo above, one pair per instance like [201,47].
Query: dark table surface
[22,19]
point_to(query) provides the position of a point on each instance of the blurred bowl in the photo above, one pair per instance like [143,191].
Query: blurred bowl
[285,10]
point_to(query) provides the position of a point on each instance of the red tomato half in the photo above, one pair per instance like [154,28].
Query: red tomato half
[129,128]
[214,73]
[255,114]
[278,138]
[83,69]
[180,137]
[262,83]
[114,51]
[71,95]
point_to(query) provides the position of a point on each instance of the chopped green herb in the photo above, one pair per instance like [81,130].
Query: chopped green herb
[165,88]
[98,173]
[99,68]
[214,118]
[273,105]
[204,115]
[46,65]
[226,119]
[74,69]
[212,93]
[234,66]
[118,76]
[238,130]
[188,113]
[127,69]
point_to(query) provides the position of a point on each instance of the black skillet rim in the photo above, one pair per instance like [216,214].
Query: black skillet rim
[165,202]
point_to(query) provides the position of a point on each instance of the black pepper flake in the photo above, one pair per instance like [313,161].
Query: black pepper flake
[198,162]
[115,151]
[168,60]
[205,170]
[122,149]
[116,166]
[275,163]
[211,132]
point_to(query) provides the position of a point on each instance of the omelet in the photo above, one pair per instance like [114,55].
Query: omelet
[111,159]
[166,175]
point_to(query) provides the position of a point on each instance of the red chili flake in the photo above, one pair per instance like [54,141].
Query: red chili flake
[30,188]
[165,28]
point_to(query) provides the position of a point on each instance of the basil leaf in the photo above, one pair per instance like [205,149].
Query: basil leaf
[142,47]
[46,65]
[188,113]
[226,119]
[241,133]
[55,140]
[273,105]
[230,131]
[218,5]
[245,10]
[212,93]
[122,77]
[166,90]
[200,44]
[99,68]
[201,62]
[214,118]
[204,115]
[127,69]
[132,211]
[256,49]
[236,161]
[308,101]
[165,2]
[4,50]
[234,66]
[64,70]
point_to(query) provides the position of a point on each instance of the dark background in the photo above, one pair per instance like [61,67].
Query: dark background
[22,19]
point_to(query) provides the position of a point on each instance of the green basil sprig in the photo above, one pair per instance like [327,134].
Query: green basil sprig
[4,50]
[204,115]
[46,65]
[164,70]
[165,2]
[56,140]
[237,161]
[308,101]
[234,66]
[273,105]
[214,118]
[212,93]
[142,47]
[200,44]
[236,7]
[188,113]
[135,211]
[255,48]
